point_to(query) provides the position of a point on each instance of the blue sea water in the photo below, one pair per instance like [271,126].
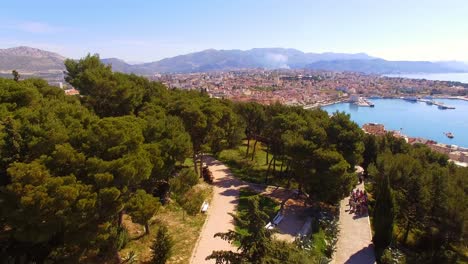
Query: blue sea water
[414,119]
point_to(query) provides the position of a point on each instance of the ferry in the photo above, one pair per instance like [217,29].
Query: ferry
[449,134]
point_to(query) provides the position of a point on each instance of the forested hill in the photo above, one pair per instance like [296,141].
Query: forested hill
[72,167]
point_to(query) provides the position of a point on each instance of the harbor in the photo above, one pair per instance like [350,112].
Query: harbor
[418,119]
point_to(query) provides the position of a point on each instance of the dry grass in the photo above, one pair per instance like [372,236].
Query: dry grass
[183,228]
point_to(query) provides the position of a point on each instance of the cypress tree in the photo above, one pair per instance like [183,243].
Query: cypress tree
[162,246]
[383,217]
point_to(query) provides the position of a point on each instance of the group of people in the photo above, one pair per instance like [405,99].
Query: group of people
[358,202]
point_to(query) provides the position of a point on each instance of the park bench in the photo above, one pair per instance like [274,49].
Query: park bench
[276,220]
[204,207]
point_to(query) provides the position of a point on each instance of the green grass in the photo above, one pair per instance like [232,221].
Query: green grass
[252,170]
[267,205]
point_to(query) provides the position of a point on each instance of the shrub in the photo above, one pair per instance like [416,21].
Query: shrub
[193,200]
[182,182]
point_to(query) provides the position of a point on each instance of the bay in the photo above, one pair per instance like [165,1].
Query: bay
[455,77]
[414,119]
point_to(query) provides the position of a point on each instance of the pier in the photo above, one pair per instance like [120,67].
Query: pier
[438,104]
[364,102]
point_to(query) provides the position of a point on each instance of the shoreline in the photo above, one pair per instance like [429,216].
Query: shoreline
[425,136]
[311,106]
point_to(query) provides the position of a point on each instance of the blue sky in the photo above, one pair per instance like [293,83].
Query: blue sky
[147,30]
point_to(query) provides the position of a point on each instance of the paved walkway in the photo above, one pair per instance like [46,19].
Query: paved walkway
[225,199]
[354,244]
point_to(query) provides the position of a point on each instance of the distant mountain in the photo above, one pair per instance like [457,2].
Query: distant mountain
[458,65]
[380,66]
[26,59]
[37,62]
[118,64]
[218,60]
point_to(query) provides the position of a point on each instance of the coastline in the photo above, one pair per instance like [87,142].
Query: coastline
[431,121]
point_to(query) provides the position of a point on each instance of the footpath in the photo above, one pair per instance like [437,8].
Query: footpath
[354,244]
[224,201]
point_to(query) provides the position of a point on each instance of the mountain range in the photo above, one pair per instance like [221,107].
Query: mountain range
[31,60]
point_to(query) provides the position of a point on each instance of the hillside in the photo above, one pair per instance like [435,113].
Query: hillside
[219,60]
[26,59]
[32,61]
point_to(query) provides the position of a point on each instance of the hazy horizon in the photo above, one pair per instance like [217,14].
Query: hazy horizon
[143,32]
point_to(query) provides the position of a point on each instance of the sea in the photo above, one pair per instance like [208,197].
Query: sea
[414,119]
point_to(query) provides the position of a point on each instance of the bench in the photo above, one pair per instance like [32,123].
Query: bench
[204,207]
[276,220]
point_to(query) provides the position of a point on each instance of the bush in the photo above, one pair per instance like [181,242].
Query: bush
[182,182]
[193,200]
[392,256]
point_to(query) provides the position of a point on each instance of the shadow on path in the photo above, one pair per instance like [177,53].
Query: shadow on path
[363,256]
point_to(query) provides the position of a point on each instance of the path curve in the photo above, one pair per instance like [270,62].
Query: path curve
[354,244]
[224,201]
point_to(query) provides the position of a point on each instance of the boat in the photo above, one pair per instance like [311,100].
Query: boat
[429,102]
[442,107]
[449,134]
[410,99]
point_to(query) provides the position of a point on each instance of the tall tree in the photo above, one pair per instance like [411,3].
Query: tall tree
[370,153]
[383,216]
[142,207]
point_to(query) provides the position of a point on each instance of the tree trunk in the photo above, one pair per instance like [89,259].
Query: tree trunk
[407,229]
[147,230]
[281,168]
[287,167]
[288,173]
[254,148]
[274,166]
[267,150]
[194,157]
[268,171]
[120,221]
[248,147]
[201,163]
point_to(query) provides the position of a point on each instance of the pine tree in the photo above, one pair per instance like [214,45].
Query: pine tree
[254,246]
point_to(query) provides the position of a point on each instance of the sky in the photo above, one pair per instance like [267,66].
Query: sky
[149,30]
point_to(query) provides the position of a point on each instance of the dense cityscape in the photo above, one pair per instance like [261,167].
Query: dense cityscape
[305,87]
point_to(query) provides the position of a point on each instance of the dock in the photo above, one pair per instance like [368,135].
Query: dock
[361,101]
[438,104]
